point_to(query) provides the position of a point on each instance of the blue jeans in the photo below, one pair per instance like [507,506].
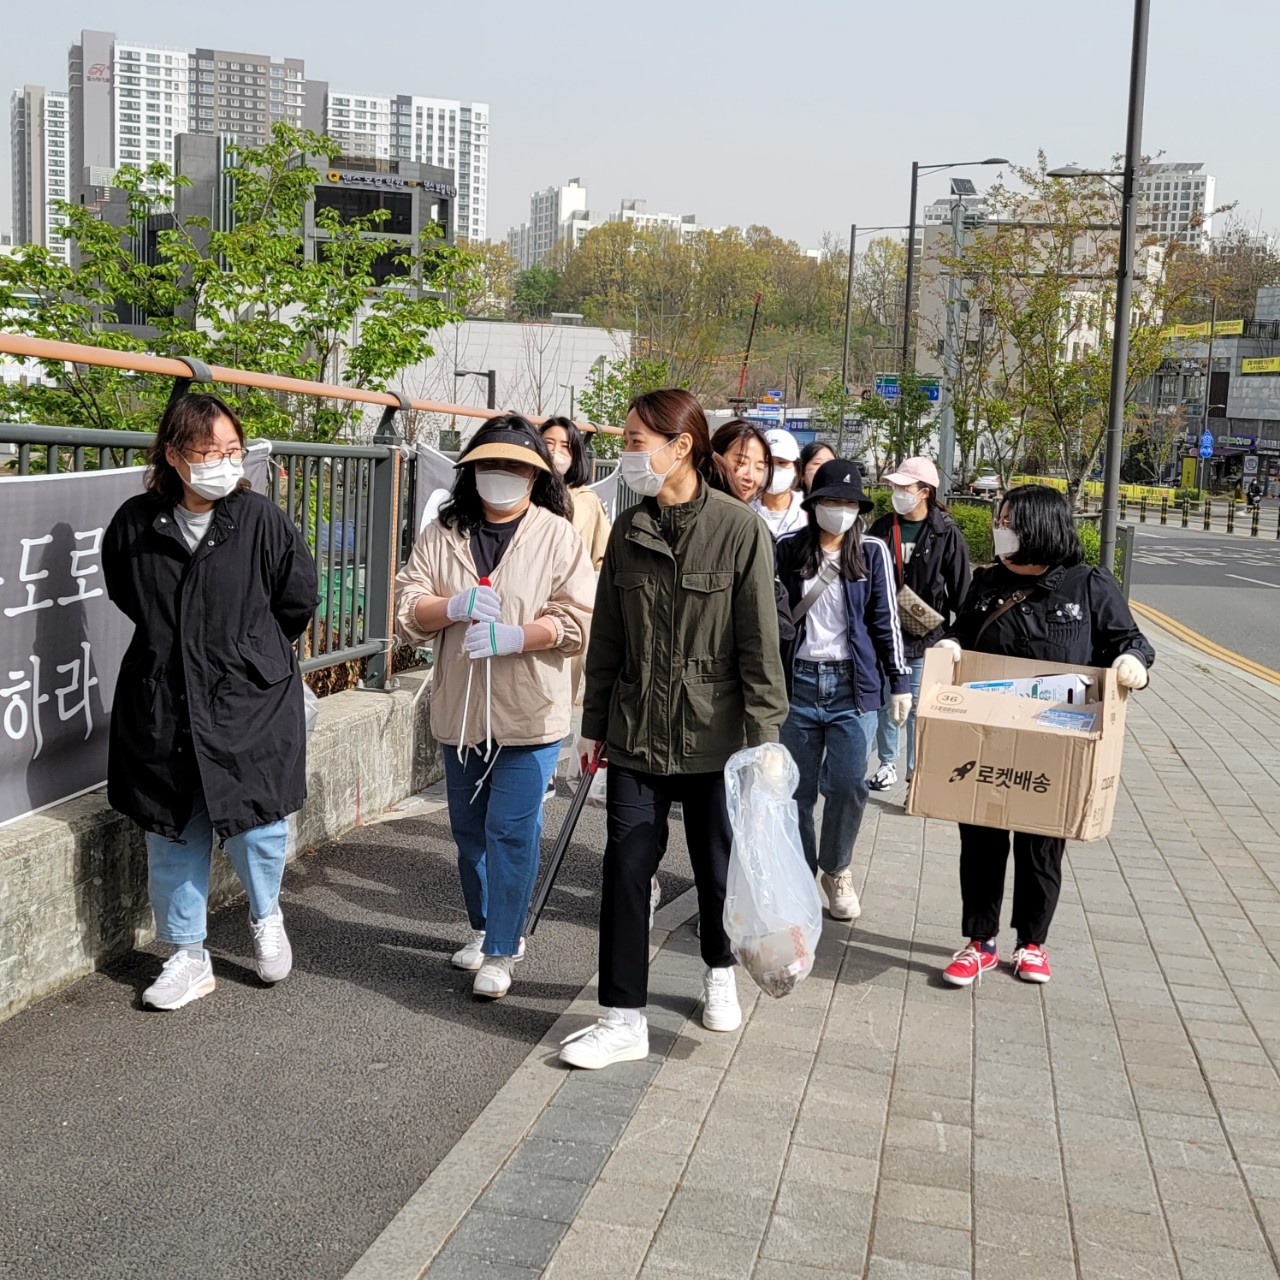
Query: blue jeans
[178,874]
[830,740]
[498,831]
[888,733]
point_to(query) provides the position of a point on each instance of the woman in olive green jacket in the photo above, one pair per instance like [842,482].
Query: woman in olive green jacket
[683,670]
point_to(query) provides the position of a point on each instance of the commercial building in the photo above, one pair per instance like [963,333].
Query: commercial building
[1176,199]
[441,132]
[39,144]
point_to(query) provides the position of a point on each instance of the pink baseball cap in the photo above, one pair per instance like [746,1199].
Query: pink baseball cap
[915,471]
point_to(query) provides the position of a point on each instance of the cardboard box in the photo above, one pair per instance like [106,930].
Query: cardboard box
[1016,763]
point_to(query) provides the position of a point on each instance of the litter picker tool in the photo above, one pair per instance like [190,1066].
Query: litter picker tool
[590,768]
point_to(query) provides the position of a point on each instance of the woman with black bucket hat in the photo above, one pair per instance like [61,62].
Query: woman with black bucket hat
[503,585]
[847,644]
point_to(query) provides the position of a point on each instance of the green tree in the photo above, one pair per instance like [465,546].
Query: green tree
[606,398]
[535,293]
[244,296]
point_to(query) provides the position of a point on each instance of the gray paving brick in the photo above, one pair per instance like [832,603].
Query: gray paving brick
[505,1238]
[562,1124]
[594,1250]
[644,1166]
[458,1266]
[921,1242]
[830,1242]
[936,1206]
[537,1158]
[625,1205]
[729,1212]
[897,1269]
[553,1199]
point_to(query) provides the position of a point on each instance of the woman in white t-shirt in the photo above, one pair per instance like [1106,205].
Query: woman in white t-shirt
[847,645]
[780,503]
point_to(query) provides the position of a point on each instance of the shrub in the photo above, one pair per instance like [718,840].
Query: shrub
[975,524]
[1187,495]
[1091,539]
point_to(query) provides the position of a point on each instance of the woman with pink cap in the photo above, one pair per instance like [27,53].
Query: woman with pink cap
[931,572]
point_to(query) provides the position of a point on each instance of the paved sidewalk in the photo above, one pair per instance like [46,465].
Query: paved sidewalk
[1123,1121]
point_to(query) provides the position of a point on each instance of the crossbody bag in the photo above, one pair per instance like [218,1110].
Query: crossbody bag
[916,616]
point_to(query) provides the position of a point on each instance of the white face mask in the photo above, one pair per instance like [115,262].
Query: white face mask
[637,471]
[214,480]
[502,489]
[1006,542]
[905,502]
[783,479]
[838,520]
[562,462]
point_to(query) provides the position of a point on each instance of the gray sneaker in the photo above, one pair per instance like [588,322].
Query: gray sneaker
[182,980]
[272,954]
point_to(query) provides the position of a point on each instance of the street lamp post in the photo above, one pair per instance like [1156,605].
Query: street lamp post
[916,170]
[1124,280]
[490,375]
[572,390]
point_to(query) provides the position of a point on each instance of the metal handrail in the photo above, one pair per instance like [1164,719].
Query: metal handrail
[17,344]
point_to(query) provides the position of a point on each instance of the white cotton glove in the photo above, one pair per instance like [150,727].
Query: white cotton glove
[475,604]
[1130,673]
[951,648]
[900,705]
[493,640]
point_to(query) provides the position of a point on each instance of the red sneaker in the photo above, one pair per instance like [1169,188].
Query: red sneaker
[970,964]
[1031,964]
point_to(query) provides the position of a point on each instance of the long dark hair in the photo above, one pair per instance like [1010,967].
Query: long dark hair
[807,455]
[464,510]
[1041,517]
[674,412]
[187,424]
[853,562]
[579,472]
[730,434]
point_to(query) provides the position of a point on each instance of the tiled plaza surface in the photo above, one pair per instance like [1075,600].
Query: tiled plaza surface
[1123,1121]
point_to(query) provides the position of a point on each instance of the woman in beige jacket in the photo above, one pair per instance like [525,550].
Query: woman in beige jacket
[503,586]
[569,457]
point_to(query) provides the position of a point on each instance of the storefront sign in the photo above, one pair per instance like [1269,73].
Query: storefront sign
[384,181]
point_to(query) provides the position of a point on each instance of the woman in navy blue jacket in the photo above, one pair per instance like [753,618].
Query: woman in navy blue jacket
[847,643]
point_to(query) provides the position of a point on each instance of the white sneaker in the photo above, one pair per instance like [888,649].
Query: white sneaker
[611,1039]
[655,899]
[272,954]
[182,980]
[550,792]
[885,776]
[720,1011]
[494,979]
[471,957]
[842,899]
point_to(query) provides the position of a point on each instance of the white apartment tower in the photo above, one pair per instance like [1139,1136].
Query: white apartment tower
[436,131]
[40,144]
[555,214]
[1177,200]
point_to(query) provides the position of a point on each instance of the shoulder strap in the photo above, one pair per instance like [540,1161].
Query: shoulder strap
[826,576]
[897,552]
[1016,599]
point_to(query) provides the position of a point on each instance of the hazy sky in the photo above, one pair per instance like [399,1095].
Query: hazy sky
[803,116]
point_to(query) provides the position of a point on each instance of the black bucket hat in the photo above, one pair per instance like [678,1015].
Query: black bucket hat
[506,439]
[838,479]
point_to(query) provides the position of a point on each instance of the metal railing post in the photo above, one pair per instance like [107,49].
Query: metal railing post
[1164,508]
[1124,553]
[384,547]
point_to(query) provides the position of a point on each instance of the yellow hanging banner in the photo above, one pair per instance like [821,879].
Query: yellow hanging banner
[1223,329]
[1265,364]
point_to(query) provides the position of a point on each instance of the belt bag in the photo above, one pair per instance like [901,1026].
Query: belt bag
[917,617]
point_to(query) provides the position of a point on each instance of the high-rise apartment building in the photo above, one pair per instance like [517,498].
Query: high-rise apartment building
[243,94]
[129,101]
[556,214]
[436,131]
[39,142]
[1177,200]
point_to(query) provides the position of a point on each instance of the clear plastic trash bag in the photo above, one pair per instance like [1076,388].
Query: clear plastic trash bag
[772,911]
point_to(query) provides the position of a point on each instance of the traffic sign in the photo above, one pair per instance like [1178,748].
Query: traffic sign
[1251,464]
[1206,440]
[887,387]
[1206,450]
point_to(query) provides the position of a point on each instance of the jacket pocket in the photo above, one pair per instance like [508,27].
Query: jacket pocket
[710,610]
[712,717]
[635,597]
[265,668]
[627,705]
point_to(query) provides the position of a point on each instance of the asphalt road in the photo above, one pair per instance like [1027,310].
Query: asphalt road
[274,1133]
[1227,587]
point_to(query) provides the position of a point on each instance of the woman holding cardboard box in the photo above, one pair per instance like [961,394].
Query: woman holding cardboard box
[1039,601]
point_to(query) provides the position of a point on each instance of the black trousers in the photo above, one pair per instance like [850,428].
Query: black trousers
[1037,881]
[639,805]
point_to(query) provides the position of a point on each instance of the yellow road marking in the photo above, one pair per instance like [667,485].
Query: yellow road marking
[1203,643]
